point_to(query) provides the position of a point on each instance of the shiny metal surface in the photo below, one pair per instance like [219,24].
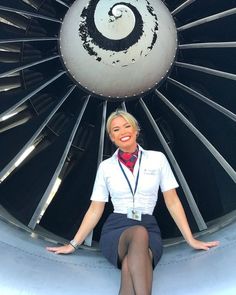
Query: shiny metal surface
[27,268]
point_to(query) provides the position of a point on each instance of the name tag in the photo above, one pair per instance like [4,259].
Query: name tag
[134,214]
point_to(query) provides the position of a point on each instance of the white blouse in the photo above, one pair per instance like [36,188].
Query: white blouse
[154,171]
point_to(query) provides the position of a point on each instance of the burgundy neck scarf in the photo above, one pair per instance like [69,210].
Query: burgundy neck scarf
[128,159]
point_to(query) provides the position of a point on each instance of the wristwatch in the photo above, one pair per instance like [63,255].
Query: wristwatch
[74,244]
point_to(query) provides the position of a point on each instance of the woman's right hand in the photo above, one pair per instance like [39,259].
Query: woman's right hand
[66,249]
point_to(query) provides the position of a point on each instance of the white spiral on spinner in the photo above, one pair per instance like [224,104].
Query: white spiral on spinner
[120,10]
[112,29]
[114,22]
[128,44]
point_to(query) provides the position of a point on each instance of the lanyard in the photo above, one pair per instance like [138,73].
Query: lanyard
[137,178]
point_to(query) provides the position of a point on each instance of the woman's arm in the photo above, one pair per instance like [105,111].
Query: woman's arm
[176,210]
[89,222]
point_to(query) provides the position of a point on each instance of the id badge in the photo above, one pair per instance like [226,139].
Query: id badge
[135,214]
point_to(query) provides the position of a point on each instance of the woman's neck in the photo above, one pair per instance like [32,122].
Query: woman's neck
[129,150]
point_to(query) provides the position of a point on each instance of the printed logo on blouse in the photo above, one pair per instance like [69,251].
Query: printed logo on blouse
[150,171]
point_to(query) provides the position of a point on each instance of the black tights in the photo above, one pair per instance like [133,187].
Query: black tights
[136,262]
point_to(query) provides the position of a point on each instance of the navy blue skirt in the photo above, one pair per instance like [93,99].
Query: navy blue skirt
[116,224]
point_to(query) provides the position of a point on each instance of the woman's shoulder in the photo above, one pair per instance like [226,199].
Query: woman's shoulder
[107,162]
[154,158]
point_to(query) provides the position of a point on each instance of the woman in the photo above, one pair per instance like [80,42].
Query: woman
[130,237]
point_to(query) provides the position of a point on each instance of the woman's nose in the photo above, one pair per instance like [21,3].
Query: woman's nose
[122,131]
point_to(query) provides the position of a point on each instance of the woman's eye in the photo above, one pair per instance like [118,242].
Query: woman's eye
[127,126]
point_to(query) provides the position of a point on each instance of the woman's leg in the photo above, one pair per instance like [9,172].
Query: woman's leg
[134,252]
[126,286]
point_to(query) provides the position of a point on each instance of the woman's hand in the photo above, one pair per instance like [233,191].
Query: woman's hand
[66,249]
[200,245]
[176,210]
[90,220]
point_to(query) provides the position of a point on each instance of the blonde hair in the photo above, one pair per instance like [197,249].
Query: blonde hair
[125,115]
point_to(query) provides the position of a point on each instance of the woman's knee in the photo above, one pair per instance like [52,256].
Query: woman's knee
[136,236]
[140,233]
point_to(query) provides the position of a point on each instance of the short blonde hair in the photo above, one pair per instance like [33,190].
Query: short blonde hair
[125,115]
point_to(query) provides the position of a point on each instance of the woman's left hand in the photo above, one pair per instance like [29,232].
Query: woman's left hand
[200,245]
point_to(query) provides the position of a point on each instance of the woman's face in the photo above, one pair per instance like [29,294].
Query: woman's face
[123,134]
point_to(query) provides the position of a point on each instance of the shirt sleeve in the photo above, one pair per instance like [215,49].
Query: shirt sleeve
[100,191]
[167,180]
